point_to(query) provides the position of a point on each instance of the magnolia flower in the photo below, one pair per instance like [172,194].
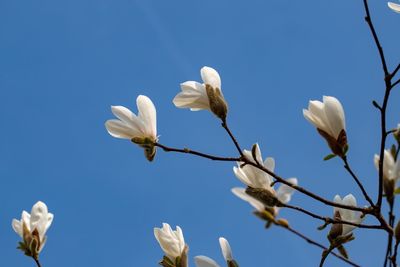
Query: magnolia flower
[394,7]
[328,118]
[391,168]
[252,176]
[207,95]
[345,215]
[203,261]
[283,194]
[261,181]
[140,129]
[32,229]
[171,242]
[391,172]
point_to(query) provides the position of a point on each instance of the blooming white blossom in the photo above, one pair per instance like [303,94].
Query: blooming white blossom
[206,95]
[283,194]
[32,228]
[391,168]
[256,178]
[394,7]
[204,261]
[328,117]
[252,176]
[347,215]
[171,242]
[141,129]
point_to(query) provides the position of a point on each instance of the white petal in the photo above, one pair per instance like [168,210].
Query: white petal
[241,193]
[335,115]
[17,226]
[118,129]
[284,192]
[316,115]
[128,118]
[193,96]
[226,249]
[39,218]
[394,7]
[147,113]
[210,76]
[203,261]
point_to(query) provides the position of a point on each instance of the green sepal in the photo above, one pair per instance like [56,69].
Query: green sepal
[397,191]
[166,262]
[330,156]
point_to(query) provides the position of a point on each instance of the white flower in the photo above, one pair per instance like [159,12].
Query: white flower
[391,168]
[32,227]
[171,242]
[347,215]
[327,115]
[252,176]
[206,95]
[141,129]
[129,125]
[258,179]
[283,194]
[204,261]
[394,7]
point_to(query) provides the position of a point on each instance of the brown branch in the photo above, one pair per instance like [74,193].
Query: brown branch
[235,142]
[304,191]
[325,255]
[189,151]
[312,242]
[395,83]
[376,39]
[395,70]
[394,258]
[348,168]
[329,220]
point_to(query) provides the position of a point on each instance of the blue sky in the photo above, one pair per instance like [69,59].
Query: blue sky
[63,63]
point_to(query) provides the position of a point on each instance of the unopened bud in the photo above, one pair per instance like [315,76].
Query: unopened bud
[336,229]
[267,197]
[166,262]
[388,188]
[338,145]
[397,232]
[283,222]
[217,102]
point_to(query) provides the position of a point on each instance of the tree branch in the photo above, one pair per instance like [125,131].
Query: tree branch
[312,242]
[348,168]
[189,151]
[329,220]
[235,142]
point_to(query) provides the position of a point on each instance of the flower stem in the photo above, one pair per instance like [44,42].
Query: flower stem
[37,261]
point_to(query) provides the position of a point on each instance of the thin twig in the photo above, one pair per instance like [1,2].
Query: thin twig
[329,220]
[235,142]
[189,151]
[376,39]
[37,262]
[395,70]
[325,255]
[395,83]
[312,242]
[306,192]
[348,168]
[394,258]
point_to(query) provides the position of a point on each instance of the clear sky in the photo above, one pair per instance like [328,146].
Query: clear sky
[63,63]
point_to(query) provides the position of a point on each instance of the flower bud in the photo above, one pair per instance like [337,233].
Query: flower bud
[283,222]
[397,232]
[217,102]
